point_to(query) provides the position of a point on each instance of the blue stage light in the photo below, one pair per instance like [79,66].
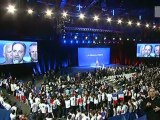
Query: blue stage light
[89,42]
[64,41]
[77,41]
[71,41]
[83,41]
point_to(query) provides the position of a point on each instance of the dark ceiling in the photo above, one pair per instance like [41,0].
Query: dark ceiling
[125,8]
[25,25]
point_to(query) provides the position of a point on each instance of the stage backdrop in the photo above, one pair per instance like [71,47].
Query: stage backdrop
[93,57]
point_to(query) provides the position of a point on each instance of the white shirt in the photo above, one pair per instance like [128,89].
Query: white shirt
[7,106]
[67,103]
[95,100]
[37,100]
[43,107]
[13,116]
[99,97]
[1,100]
[73,101]
[103,96]
[14,108]
[109,96]
[49,108]
[124,109]
[34,107]
[119,110]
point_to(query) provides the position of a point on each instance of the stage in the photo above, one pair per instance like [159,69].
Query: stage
[74,70]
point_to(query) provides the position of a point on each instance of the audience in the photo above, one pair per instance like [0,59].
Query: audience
[104,93]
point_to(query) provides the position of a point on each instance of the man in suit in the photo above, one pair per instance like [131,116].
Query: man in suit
[157,50]
[19,50]
[7,53]
[33,52]
[148,51]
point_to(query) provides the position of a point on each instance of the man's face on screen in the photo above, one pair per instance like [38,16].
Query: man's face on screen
[18,52]
[148,50]
[33,53]
[8,53]
[157,50]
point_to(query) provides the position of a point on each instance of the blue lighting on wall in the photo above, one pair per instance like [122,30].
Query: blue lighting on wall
[77,41]
[113,12]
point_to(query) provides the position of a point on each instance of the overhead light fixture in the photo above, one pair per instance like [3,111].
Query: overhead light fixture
[81,16]
[119,21]
[49,12]
[11,9]
[109,19]
[64,14]
[129,22]
[147,25]
[138,23]
[154,26]
[96,18]
[30,11]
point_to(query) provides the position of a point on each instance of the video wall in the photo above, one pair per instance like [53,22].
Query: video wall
[18,52]
[148,50]
[93,57]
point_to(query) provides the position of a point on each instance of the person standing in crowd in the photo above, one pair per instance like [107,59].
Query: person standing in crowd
[33,52]
[152,105]
[7,53]
[19,50]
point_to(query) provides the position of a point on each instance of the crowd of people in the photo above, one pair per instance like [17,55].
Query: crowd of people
[95,95]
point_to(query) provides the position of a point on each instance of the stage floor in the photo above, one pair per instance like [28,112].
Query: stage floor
[74,70]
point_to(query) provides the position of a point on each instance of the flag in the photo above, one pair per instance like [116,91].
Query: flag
[121,95]
[114,97]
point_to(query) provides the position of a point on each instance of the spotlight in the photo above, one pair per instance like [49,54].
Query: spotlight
[119,21]
[11,9]
[77,41]
[81,16]
[86,37]
[127,38]
[64,41]
[96,37]
[129,22]
[96,18]
[64,14]
[113,38]
[71,41]
[75,37]
[138,24]
[30,11]
[109,19]
[104,38]
[147,25]
[49,13]
[64,37]
[154,26]
[120,38]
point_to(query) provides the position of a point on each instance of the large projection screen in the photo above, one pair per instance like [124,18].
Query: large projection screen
[148,50]
[18,52]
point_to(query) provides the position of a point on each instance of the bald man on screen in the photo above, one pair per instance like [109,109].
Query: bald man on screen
[8,54]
